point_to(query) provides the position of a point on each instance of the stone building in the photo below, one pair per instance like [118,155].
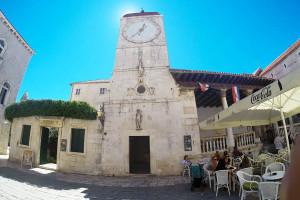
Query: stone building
[148,112]
[284,64]
[152,111]
[15,55]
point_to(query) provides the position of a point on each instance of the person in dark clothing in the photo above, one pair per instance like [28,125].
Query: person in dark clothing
[221,165]
[236,152]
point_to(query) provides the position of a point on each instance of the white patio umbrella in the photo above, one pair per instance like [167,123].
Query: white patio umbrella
[277,101]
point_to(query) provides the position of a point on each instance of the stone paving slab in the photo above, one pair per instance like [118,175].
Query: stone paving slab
[26,183]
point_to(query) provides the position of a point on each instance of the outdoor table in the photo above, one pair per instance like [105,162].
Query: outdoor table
[269,177]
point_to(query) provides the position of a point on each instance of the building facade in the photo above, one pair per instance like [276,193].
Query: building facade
[148,112]
[15,55]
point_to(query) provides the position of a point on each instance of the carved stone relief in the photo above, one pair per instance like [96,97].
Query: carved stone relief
[130,91]
[151,90]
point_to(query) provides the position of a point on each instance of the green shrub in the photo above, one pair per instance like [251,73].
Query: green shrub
[69,109]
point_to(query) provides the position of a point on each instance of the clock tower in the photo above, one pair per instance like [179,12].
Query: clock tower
[143,121]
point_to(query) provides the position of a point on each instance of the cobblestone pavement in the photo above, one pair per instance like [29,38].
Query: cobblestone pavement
[36,183]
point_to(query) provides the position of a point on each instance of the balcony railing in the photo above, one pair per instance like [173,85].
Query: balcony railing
[212,144]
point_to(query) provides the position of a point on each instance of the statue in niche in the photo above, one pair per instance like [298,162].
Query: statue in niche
[140,66]
[138,119]
[140,71]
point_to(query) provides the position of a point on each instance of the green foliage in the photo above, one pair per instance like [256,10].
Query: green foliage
[51,160]
[68,109]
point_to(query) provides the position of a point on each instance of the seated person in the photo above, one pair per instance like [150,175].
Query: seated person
[227,160]
[186,161]
[214,164]
[222,166]
[245,163]
[236,152]
[218,155]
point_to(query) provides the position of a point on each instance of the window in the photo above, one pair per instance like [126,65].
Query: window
[2,47]
[141,89]
[187,143]
[3,93]
[25,135]
[284,65]
[77,140]
[272,75]
[77,92]
[102,90]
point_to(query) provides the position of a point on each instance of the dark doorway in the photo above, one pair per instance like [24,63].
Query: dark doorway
[48,151]
[139,155]
[44,145]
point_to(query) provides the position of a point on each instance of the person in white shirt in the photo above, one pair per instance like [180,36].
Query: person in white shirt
[186,161]
[278,141]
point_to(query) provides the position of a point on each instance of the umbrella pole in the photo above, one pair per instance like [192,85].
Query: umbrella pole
[285,131]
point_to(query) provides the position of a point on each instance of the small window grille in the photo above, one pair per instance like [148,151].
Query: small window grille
[187,143]
[102,90]
[272,75]
[284,65]
[77,92]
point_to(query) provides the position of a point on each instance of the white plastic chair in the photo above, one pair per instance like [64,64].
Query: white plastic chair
[247,183]
[186,169]
[275,167]
[207,169]
[248,170]
[221,180]
[266,163]
[269,190]
[205,160]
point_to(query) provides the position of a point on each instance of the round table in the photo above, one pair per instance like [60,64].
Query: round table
[268,177]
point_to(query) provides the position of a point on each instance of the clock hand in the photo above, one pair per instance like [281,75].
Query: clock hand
[140,30]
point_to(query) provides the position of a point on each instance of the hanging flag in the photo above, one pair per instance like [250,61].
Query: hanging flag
[204,87]
[235,93]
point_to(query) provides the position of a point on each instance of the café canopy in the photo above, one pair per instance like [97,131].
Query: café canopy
[277,101]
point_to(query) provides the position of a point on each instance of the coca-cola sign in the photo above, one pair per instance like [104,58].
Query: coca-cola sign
[265,93]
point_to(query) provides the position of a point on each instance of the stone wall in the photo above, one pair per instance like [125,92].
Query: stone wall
[285,66]
[85,163]
[13,64]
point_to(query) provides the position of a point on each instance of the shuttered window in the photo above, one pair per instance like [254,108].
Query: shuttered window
[25,135]
[77,140]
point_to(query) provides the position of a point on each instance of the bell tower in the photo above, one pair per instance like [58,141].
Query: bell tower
[141,58]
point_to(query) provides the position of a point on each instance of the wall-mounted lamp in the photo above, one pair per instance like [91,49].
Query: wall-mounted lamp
[101,115]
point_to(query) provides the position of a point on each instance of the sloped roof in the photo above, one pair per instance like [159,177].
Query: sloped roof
[15,32]
[141,14]
[92,81]
[281,57]
[217,80]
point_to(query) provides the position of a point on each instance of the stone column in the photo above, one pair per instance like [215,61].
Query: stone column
[230,138]
[276,128]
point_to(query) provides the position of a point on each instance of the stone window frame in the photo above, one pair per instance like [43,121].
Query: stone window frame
[76,126]
[6,95]
[77,91]
[3,48]
[21,135]
[137,86]
[103,91]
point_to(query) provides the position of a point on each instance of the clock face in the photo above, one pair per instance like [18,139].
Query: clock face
[139,32]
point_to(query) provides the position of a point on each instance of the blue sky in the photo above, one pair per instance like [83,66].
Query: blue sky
[76,40]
